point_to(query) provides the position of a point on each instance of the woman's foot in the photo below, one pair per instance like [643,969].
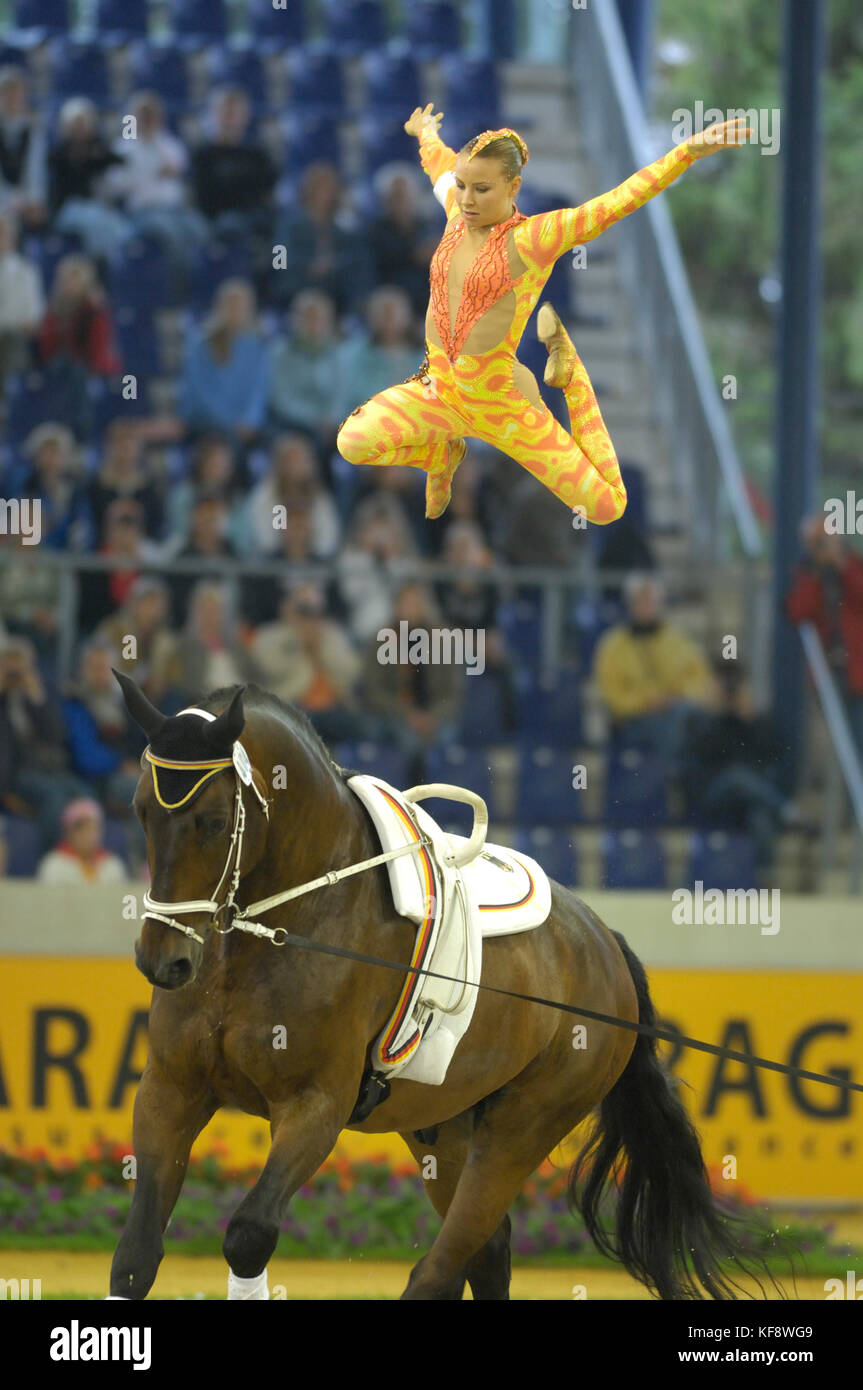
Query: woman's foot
[439,484]
[562,356]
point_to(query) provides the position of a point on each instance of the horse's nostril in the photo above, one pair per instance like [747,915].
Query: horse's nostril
[175,974]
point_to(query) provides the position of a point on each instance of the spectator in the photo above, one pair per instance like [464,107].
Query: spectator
[210,654]
[649,674]
[827,590]
[324,248]
[387,352]
[421,700]
[214,469]
[206,541]
[104,748]
[123,473]
[401,237]
[122,541]
[226,372]
[35,778]
[306,381]
[76,341]
[732,762]
[378,538]
[78,163]
[535,532]
[23,152]
[233,177]
[30,594]
[150,182]
[153,664]
[21,302]
[466,601]
[80,857]
[293,481]
[52,479]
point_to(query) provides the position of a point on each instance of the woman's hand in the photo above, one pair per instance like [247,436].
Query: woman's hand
[422,119]
[719,137]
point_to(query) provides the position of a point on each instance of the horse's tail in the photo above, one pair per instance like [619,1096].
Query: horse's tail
[668,1230]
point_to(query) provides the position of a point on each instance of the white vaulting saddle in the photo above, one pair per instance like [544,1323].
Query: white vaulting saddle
[457,889]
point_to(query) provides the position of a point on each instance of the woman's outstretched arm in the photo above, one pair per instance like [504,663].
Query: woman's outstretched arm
[437,159]
[547,235]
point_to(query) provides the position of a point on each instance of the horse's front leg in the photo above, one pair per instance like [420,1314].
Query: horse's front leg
[304,1131]
[165,1124]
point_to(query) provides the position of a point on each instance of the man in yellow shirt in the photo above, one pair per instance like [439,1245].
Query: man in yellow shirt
[649,674]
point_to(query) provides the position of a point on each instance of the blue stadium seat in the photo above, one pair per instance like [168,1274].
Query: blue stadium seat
[632,859]
[198,21]
[521,622]
[12,55]
[433,28]
[636,790]
[80,69]
[22,840]
[48,251]
[316,82]
[45,16]
[553,848]
[240,66]
[376,759]
[309,138]
[275,30]
[123,19]
[471,85]
[483,712]
[220,261]
[463,767]
[593,616]
[722,860]
[138,340]
[551,713]
[392,82]
[108,403]
[355,26]
[385,141]
[545,794]
[29,404]
[161,67]
[141,276]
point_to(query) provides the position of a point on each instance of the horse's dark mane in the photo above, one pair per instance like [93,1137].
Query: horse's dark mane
[256,698]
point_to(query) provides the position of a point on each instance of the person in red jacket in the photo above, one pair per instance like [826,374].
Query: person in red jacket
[78,325]
[827,590]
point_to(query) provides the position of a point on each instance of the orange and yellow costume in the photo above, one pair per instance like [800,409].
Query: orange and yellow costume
[471,382]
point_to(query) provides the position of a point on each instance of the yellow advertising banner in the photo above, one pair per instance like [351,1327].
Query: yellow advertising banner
[73,1044]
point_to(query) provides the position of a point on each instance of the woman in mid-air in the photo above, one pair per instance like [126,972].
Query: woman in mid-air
[486,276]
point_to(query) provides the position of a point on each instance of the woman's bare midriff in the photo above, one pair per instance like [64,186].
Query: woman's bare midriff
[491,327]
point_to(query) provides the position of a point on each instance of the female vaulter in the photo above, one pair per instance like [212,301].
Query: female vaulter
[486,276]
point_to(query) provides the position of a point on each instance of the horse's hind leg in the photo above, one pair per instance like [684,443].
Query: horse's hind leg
[488,1271]
[165,1125]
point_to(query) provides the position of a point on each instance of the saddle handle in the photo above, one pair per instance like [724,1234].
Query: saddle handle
[473,846]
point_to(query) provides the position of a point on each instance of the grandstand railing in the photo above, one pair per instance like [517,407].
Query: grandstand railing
[847,759]
[709,475]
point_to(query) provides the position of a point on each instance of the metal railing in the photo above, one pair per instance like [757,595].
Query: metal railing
[846,763]
[709,475]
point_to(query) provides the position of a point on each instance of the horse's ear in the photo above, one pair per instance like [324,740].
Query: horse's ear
[229,724]
[144,714]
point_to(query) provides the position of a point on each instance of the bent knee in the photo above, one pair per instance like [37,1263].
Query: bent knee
[353,444]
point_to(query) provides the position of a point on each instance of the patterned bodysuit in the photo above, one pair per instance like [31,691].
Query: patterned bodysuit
[471,383]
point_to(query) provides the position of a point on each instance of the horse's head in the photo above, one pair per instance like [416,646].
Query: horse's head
[203,809]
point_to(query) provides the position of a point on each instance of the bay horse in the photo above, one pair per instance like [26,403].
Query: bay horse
[516,1085]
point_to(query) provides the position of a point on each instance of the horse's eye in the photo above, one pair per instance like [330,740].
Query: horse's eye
[210,825]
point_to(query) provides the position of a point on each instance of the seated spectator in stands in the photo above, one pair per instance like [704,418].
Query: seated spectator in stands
[649,674]
[467,601]
[226,372]
[123,473]
[378,537]
[306,370]
[52,477]
[105,747]
[827,590]
[80,857]
[307,657]
[215,468]
[293,481]
[210,653]
[385,353]
[401,238]
[325,247]
[76,340]
[23,152]
[150,183]
[123,541]
[233,176]
[537,532]
[30,594]
[35,777]
[152,663]
[77,164]
[732,765]
[206,541]
[421,700]
[21,301]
